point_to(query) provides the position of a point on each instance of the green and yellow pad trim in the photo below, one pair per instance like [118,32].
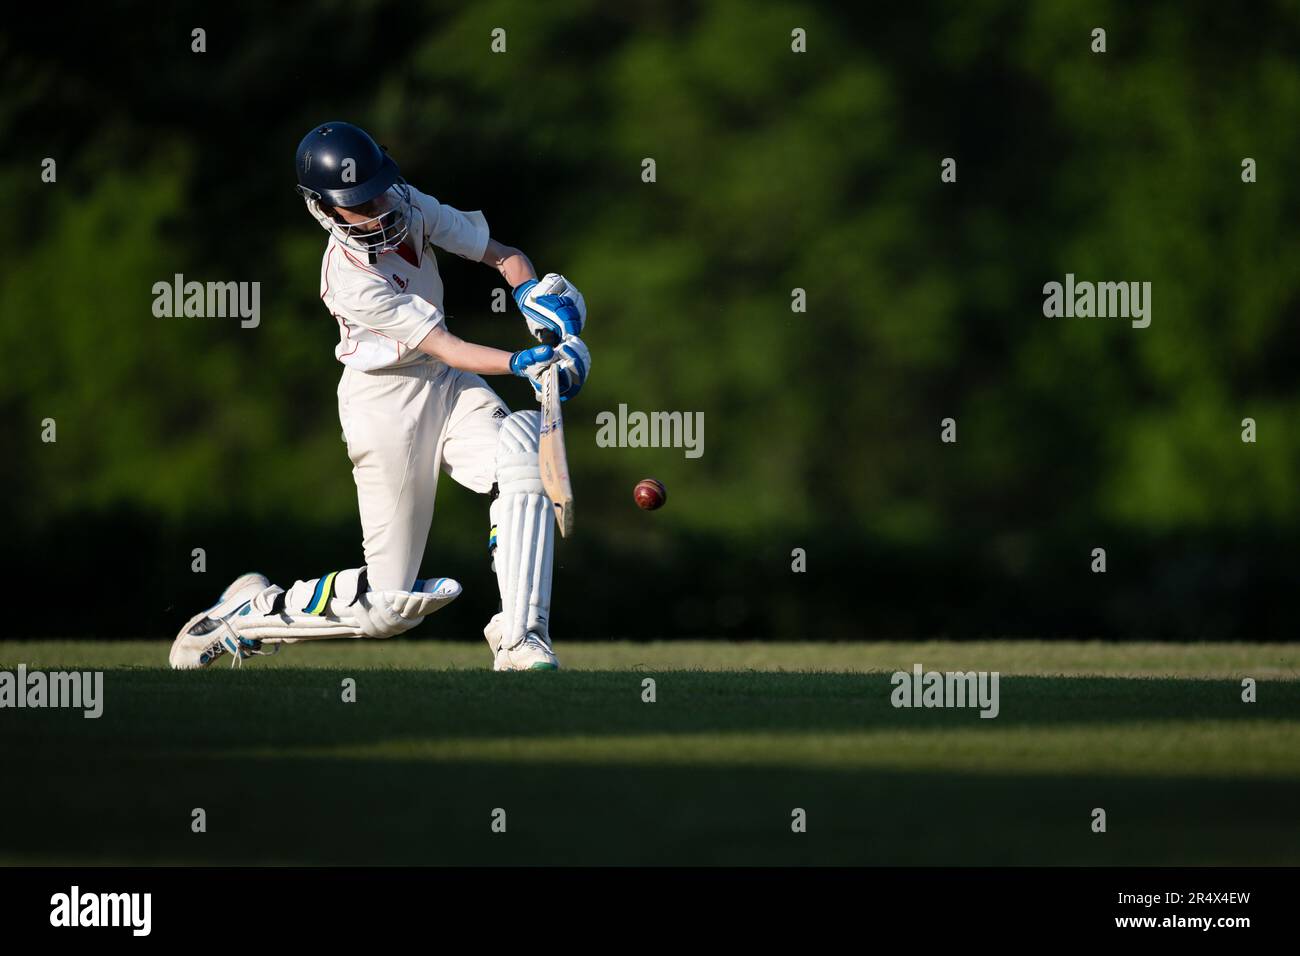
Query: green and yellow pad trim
[320,599]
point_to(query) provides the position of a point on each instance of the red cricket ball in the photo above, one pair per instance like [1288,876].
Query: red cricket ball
[650,494]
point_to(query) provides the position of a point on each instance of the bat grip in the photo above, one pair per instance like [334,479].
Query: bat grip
[549,337]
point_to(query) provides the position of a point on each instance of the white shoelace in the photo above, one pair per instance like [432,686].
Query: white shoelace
[243,648]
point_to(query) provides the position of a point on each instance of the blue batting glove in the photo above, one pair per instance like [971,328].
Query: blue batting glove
[574,362]
[529,363]
[552,306]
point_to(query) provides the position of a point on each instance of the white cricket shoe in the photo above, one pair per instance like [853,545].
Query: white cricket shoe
[533,653]
[208,635]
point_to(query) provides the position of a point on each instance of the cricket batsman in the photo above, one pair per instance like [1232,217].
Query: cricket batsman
[412,402]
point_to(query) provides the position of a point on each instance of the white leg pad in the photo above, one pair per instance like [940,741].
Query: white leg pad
[331,607]
[522,514]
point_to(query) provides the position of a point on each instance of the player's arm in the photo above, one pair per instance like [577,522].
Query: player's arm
[454,351]
[513,265]
[552,306]
[571,356]
[485,360]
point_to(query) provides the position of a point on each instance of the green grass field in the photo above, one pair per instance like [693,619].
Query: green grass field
[739,736]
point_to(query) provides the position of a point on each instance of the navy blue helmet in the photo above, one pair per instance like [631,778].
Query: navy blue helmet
[340,165]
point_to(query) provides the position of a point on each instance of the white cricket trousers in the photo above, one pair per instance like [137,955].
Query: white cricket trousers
[402,427]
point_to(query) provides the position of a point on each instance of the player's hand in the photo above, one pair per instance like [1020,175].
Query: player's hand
[571,356]
[574,362]
[531,363]
[552,305]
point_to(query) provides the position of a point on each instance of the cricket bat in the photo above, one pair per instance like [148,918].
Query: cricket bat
[551,456]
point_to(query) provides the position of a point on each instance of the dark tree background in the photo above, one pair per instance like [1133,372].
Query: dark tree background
[775,170]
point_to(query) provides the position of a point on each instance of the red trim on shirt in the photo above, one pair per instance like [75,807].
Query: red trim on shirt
[347,334]
[405,252]
[328,256]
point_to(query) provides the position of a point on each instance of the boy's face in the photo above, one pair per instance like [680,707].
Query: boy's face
[367,212]
[378,223]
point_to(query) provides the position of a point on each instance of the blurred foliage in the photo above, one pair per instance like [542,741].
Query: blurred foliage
[775,170]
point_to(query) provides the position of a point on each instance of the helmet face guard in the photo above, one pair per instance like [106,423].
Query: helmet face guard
[388,222]
[340,166]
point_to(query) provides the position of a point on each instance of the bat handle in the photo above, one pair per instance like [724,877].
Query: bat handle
[549,337]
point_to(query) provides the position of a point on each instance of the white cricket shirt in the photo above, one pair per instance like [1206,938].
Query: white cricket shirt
[385,308]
